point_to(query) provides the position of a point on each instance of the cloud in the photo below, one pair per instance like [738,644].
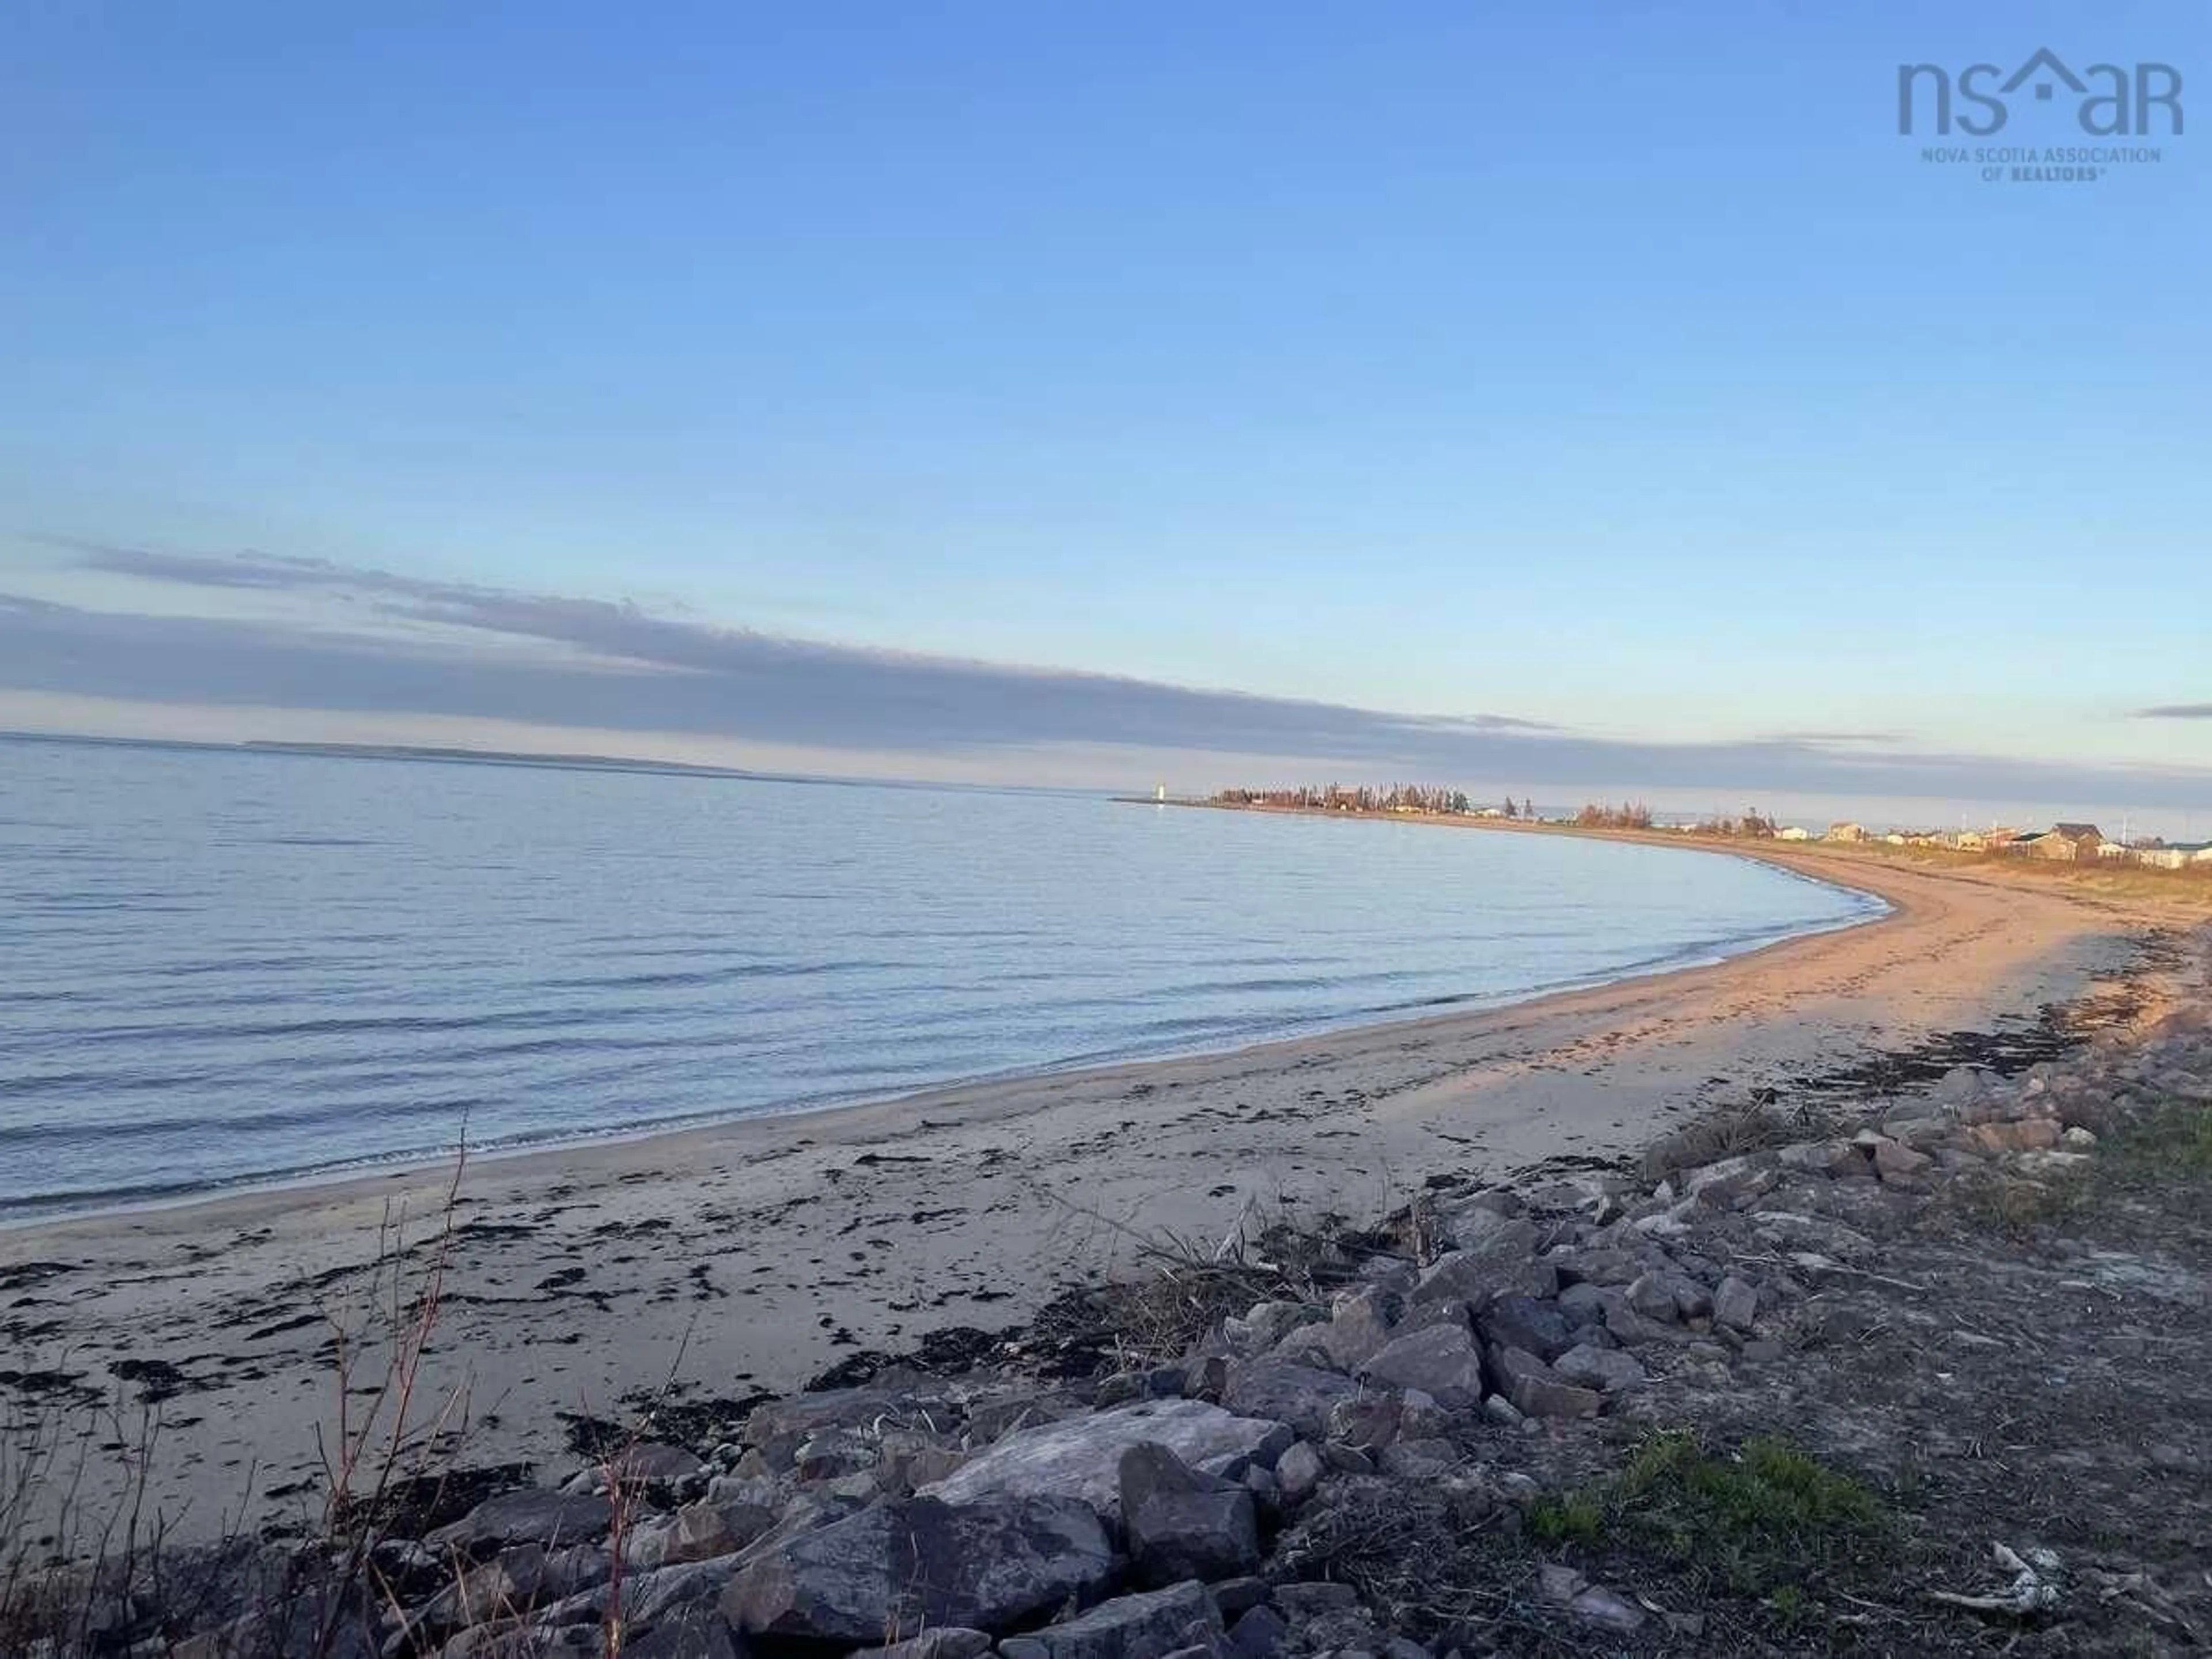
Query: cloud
[406,645]
[252,571]
[2176,711]
[1839,738]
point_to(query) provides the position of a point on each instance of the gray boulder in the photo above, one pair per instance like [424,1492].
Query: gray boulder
[1142,1627]
[1259,1634]
[696,1632]
[697,1532]
[1441,1361]
[1264,1326]
[651,1595]
[1367,1423]
[906,1399]
[900,1568]
[1303,1601]
[1488,1220]
[1300,1396]
[550,1518]
[498,1588]
[1631,1329]
[1736,1302]
[1536,1390]
[1583,1304]
[1606,1369]
[829,1453]
[647,1597]
[1420,1459]
[1595,1265]
[1181,1524]
[1543,1328]
[1474,1277]
[1962,1086]
[1081,1457]
[1298,1471]
[944,1643]
[1358,1327]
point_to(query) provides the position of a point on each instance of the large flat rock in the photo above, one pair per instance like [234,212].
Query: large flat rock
[1081,1458]
[898,1570]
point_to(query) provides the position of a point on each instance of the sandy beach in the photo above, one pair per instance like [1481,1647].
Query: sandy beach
[752,1254]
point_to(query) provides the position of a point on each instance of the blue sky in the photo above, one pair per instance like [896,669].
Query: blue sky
[1613,370]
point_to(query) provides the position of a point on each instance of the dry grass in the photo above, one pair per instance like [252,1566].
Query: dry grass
[74,1582]
[1421,1559]
[1184,1287]
[2015,1205]
[2189,888]
[1729,1132]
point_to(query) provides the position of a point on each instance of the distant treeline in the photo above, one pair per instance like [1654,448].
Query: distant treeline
[1629,815]
[1755,825]
[1335,798]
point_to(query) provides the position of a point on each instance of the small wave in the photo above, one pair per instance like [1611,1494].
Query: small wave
[114,1135]
[729,974]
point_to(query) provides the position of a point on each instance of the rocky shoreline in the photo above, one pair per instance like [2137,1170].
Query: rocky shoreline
[1444,1434]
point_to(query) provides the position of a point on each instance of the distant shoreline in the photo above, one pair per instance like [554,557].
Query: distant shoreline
[432,754]
[1816,858]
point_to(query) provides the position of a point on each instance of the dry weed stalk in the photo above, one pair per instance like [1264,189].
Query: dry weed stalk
[1187,1286]
[65,1576]
[383,1440]
[625,1493]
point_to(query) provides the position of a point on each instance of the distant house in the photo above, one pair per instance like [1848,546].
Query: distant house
[2176,855]
[2069,842]
[1793,832]
[1986,841]
[1846,832]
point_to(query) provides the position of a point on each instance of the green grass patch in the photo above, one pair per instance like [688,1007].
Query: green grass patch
[2012,1204]
[2154,1153]
[2167,1146]
[2172,1141]
[1769,1521]
[1575,1518]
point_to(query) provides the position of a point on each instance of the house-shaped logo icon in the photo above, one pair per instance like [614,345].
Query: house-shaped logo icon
[2045,62]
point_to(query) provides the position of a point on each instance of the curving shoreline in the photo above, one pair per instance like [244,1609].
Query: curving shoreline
[764,1250]
[43,1211]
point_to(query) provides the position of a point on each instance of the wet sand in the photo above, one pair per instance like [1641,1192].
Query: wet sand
[752,1254]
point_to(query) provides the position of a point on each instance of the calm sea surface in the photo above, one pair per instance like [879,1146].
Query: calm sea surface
[223,968]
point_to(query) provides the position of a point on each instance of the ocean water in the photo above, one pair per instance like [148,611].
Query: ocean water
[220,968]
